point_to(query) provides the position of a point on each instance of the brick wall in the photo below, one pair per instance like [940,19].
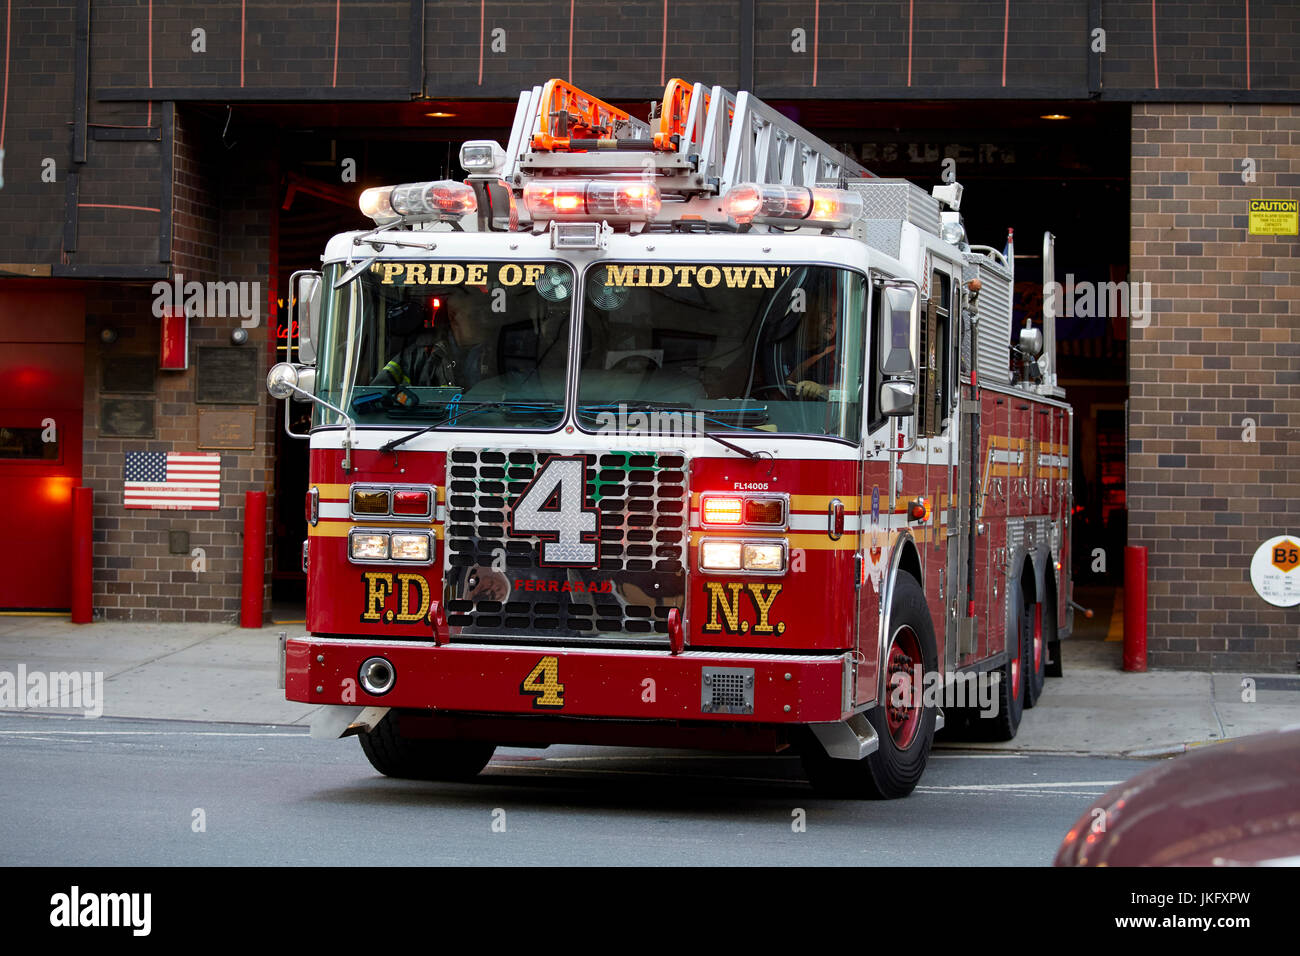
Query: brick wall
[223,208]
[1223,346]
[40,88]
[285,44]
[1199,44]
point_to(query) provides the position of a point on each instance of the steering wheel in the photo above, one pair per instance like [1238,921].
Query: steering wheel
[780,388]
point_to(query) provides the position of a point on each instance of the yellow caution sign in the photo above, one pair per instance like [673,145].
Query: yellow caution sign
[1274,217]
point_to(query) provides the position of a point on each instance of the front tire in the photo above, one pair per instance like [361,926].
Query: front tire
[415,758]
[905,733]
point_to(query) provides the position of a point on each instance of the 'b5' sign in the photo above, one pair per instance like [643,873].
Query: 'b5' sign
[1286,555]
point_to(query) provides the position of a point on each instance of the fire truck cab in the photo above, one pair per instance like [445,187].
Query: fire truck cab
[688,432]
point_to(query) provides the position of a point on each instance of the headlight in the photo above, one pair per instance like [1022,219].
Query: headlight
[763,557]
[746,557]
[368,546]
[720,555]
[410,547]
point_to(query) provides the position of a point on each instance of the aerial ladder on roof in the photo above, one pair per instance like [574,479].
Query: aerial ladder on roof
[701,142]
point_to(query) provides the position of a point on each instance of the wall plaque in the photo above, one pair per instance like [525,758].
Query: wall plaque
[1275,571]
[127,373]
[230,428]
[126,417]
[227,376]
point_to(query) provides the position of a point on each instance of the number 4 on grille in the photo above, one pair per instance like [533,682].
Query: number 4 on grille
[553,508]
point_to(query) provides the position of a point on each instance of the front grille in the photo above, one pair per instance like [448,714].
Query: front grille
[495,583]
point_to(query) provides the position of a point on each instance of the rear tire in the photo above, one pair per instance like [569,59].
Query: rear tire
[905,733]
[414,758]
[1035,652]
[1011,687]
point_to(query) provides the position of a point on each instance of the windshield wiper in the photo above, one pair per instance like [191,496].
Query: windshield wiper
[468,408]
[671,408]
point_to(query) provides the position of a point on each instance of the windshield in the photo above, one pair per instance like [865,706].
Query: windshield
[730,347]
[465,344]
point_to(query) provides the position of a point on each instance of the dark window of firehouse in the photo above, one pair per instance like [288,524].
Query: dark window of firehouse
[28,443]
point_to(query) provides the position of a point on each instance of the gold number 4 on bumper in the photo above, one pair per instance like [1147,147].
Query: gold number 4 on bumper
[543,683]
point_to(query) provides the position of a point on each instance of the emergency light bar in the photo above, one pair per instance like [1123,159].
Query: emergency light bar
[756,202]
[584,198]
[418,202]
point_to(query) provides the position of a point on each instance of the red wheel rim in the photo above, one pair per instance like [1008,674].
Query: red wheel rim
[1038,638]
[904,655]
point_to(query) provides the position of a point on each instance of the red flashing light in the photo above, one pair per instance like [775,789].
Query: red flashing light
[411,503]
[582,198]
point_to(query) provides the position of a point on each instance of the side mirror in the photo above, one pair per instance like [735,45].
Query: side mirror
[896,331]
[898,399]
[282,380]
[307,296]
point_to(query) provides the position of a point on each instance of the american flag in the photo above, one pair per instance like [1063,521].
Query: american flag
[172,480]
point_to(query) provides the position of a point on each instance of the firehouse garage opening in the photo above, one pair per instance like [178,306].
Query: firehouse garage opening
[1027,167]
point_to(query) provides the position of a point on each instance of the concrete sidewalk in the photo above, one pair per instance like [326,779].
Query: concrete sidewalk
[215,672]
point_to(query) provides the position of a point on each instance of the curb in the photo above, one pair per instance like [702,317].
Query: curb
[1172,749]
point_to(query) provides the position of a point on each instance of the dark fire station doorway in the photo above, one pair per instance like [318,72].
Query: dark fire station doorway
[1033,167]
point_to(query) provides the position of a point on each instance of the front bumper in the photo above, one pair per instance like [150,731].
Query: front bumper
[510,679]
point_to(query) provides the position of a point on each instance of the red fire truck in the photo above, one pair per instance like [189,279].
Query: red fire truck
[686,432]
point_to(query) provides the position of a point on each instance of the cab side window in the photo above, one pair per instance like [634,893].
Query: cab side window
[936,339]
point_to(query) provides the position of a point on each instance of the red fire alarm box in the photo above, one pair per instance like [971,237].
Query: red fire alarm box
[174,350]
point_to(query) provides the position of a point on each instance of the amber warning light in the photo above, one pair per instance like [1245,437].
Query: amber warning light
[718,510]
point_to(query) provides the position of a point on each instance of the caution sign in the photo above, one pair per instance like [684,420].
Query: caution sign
[1275,571]
[1274,217]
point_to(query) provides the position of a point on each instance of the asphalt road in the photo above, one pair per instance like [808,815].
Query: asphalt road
[160,793]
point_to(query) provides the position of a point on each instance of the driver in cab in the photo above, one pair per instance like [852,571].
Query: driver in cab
[823,360]
[448,349]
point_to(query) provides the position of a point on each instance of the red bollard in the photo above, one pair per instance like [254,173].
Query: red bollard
[1135,608]
[253,579]
[83,549]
